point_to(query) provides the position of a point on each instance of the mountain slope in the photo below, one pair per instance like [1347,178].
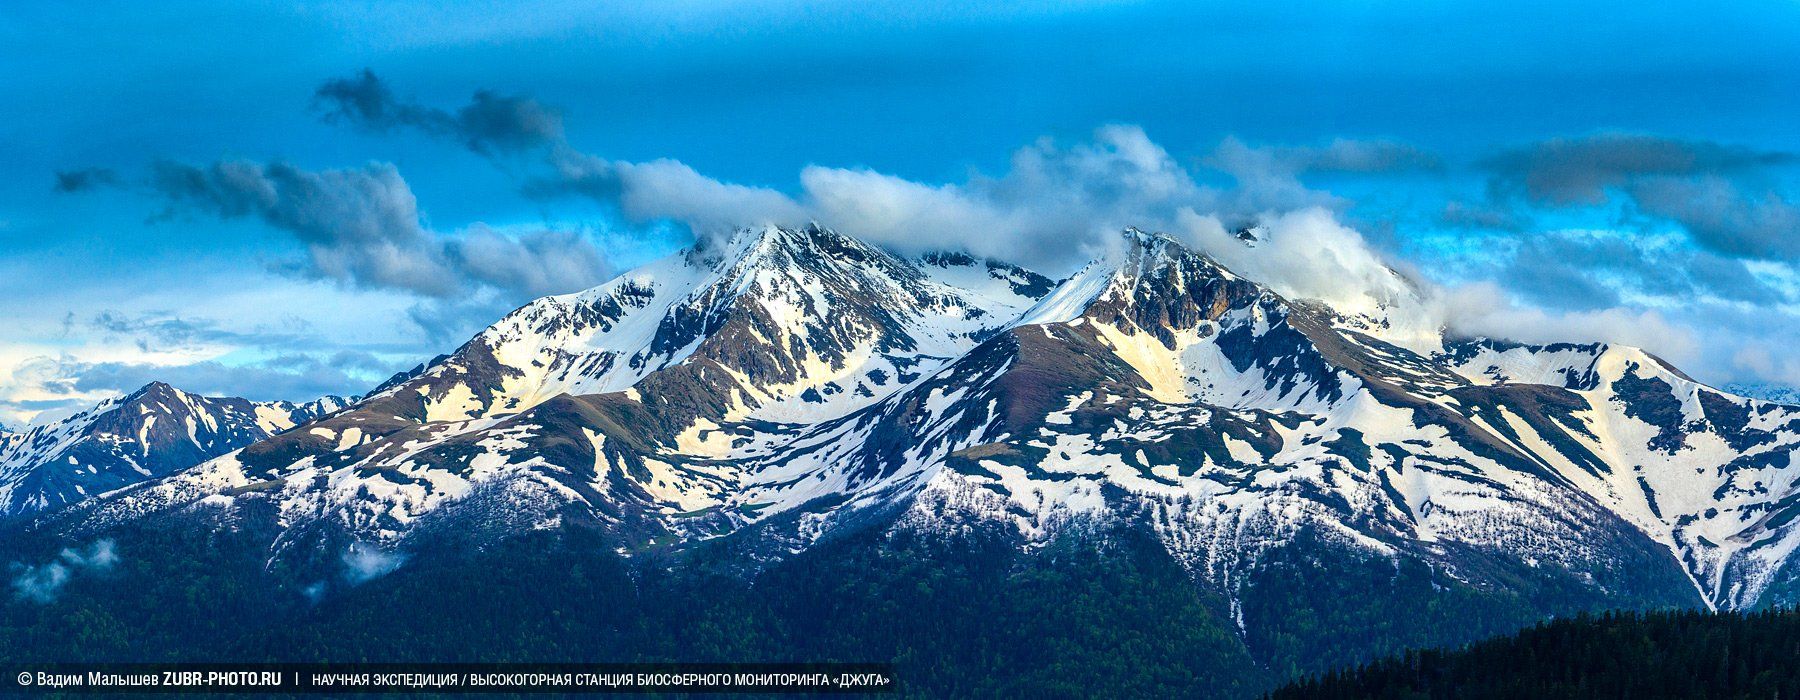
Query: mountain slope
[153,432]
[1707,474]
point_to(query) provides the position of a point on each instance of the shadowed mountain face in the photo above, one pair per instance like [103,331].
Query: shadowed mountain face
[154,432]
[770,392]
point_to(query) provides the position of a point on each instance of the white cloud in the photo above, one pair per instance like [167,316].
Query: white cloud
[1762,360]
[1309,254]
[236,334]
[1053,206]
[666,189]
[365,562]
[1486,310]
[1052,209]
[532,262]
[42,583]
[1057,205]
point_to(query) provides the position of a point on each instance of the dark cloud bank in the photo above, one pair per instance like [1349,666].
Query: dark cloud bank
[362,227]
[1730,199]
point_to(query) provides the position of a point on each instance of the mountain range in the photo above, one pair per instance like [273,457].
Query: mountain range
[148,434]
[786,388]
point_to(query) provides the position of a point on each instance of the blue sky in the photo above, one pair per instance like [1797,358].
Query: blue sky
[183,200]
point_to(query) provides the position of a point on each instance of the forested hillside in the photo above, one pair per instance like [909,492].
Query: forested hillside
[1616,655]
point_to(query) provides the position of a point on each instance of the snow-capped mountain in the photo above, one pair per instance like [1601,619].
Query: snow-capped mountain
[788,384]
[153,432]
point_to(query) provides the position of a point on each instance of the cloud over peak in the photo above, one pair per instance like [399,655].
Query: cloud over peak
[1056,203]
[1051,207]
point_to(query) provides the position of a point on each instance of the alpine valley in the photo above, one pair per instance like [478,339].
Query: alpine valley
[1154,475]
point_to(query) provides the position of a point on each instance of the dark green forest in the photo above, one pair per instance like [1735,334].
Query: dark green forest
[1671,654]
[967,616]
[964,613]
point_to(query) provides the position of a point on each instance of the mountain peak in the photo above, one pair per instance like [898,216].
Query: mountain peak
[1144,270]
[1133,233]
[782,236]
[1145,252]
[155,389]
[1137,239]
[775,245]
